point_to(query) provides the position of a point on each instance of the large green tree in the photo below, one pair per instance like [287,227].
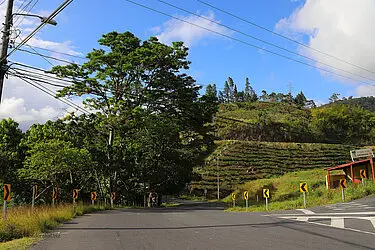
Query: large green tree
[48,161]
[126,77]
[11,155]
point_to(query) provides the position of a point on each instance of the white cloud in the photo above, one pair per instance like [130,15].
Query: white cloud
[27,105]
[175,30]
[365,90]
[64,47]
[342,28]
[16,108]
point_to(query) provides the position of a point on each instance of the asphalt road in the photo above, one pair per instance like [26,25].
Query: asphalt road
[202,226]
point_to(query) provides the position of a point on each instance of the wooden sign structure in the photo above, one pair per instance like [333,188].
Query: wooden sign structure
[6,199]
[75,195]
[93,197]
[343,186]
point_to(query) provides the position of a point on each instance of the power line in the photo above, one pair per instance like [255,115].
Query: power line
[72,80]
[22,9]
[37,53]
[48,92]
[19,8]
[264,41]
[52,93]
[39,79]
[285,37]
[248,44]
[43,76]
[53,15]
[50,57]
[28,11]
[2,2]
[57,52]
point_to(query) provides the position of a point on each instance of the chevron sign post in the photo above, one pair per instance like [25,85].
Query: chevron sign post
[303,189]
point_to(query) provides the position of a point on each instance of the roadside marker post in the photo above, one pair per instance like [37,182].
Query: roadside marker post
[6,199]
[113,197]
[303,189]
[363,176]
[75,195]
[343,186]
[246,197]
[93,198]
[234,199]
[54,195]
[266,194]
[35,189]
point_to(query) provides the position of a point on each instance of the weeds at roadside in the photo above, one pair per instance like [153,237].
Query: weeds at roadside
[285,193]
[24,222]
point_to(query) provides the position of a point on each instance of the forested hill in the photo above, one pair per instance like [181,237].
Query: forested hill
[337,122]
[367,103]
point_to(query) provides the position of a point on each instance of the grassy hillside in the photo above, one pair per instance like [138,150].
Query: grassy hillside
[336,123]
[284,192]
[263,121]
[241,161]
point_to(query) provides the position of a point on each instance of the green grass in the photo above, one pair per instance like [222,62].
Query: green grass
[19,244]
[24,223]
[285,192]
[165,204]
[191,197]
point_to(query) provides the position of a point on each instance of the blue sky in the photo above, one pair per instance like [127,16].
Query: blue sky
[337,27]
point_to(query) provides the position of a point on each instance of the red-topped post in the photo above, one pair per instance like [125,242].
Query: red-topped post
[373,171]
[329,179]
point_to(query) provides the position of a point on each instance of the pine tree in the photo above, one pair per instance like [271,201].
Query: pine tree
[300,99]
[231,89]
[250,95]
[211,90]
[235,93]
[226,93]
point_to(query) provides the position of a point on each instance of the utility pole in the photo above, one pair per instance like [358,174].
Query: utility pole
[5,44]
[218,178]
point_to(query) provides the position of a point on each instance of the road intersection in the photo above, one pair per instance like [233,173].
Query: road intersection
[207,226]
[356,216]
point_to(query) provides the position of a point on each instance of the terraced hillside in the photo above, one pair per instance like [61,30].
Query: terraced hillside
[237,162]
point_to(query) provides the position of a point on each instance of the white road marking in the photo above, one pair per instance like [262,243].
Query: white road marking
[350,229]
[373,222]
[306,211]
[324,214]
[328,217]
[338,222]
[302,218]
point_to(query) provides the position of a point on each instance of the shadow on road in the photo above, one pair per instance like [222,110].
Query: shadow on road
[194,206]
[254,225]
[291,225]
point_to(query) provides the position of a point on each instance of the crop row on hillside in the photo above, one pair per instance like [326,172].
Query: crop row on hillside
[237,162]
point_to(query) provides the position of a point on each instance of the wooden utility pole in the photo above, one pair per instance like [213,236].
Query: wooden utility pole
[5,44]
